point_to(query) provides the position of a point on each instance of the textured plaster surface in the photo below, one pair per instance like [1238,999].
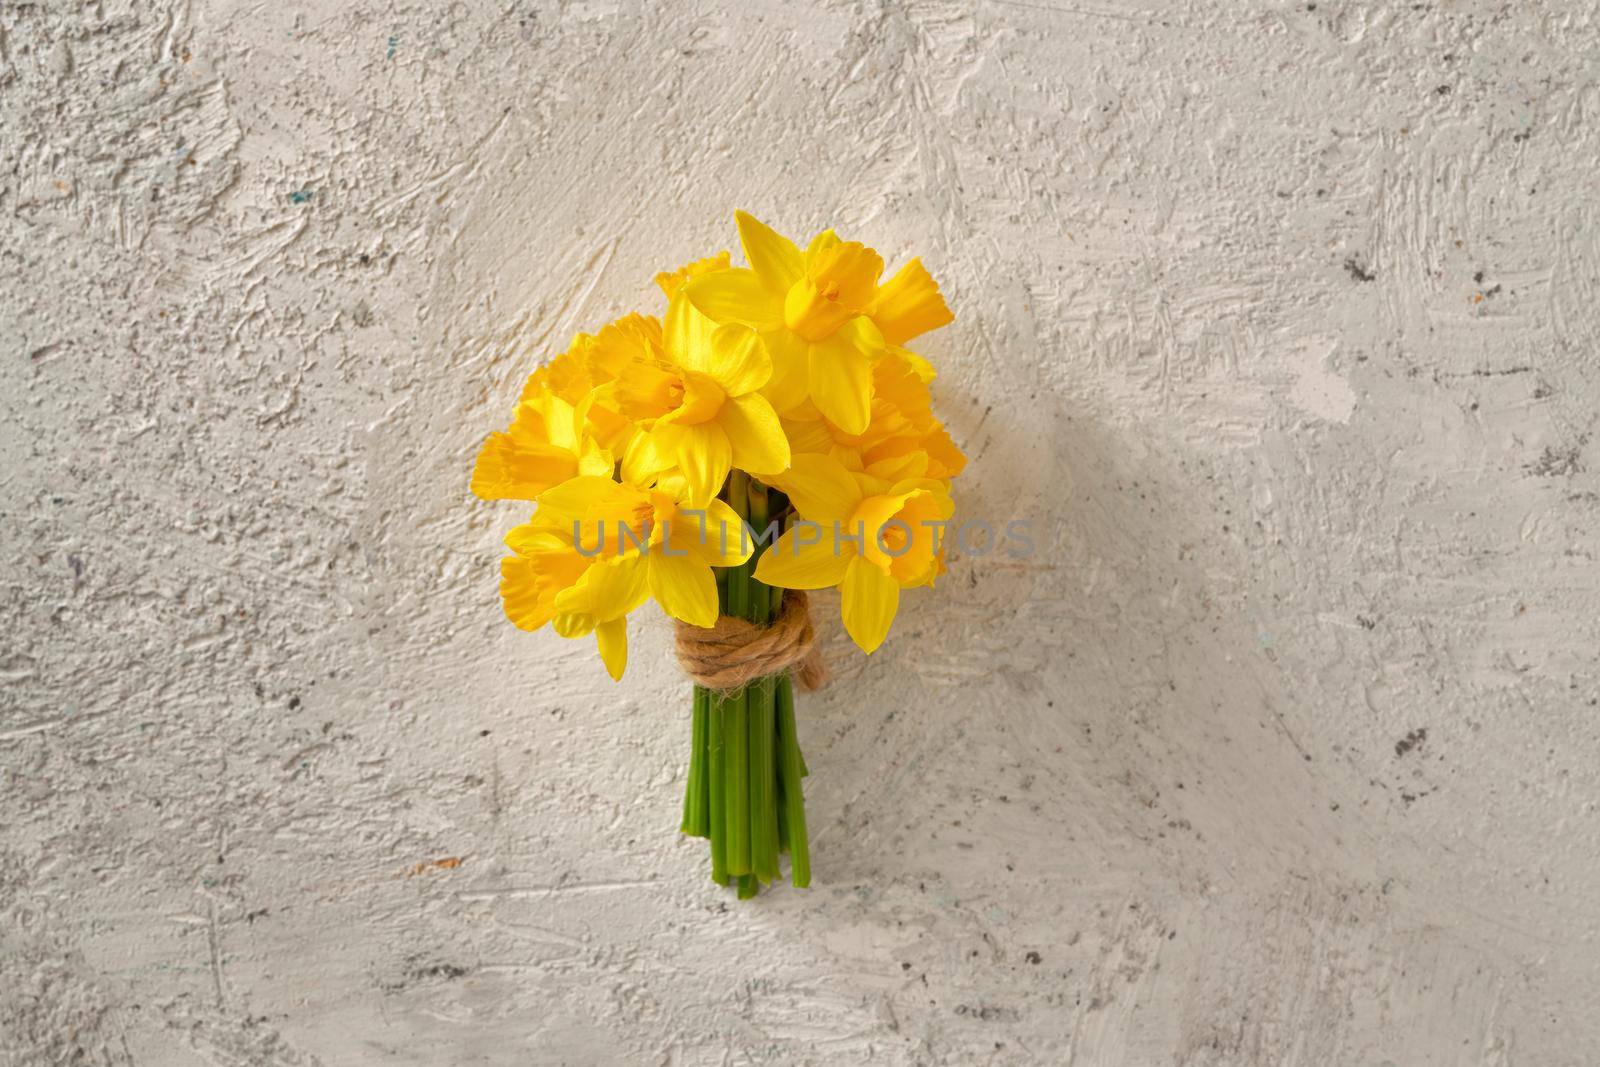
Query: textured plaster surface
[1278,320]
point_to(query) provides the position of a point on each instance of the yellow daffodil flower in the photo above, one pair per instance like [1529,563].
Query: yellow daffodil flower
[599,603]
[902,440]
[597,549]
[537,583]
[546,444]
[864,534]
[567,422]
[701,405]
[657,532]
[544,564]
[603,358]
[822,313]
[549,580]
[592,360]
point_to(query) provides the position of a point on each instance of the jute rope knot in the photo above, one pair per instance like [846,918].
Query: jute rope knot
[734,651]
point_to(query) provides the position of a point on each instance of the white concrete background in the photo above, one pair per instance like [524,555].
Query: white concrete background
[1279,320]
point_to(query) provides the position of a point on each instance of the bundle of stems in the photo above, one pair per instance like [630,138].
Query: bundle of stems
[743,792]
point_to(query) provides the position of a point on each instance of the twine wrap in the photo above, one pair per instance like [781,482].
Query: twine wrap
[735,652]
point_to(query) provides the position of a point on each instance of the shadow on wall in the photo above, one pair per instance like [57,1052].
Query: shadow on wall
[1101,703]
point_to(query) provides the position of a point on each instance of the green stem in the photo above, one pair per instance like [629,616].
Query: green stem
[791,767]
[695,817]
[736,782]
[717,794]
[783,815]
[763,782]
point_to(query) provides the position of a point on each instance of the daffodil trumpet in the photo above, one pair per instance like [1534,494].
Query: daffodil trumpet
[771,433]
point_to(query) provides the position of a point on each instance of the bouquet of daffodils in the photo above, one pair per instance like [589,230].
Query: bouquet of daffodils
[770,433]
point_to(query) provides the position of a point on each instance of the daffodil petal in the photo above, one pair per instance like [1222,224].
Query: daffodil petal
[686,332]
[861,334]
[868,599]
[775,259]
[820,488]
[570,624]
[840,381]
[808,435]
[919,366]
[756,435]
[705,457]
[735,295]
[684,587]
[791,368]
[647,455]
[738,360]
[595,460]
[607,590]
[612,640]
[577,496]
[806,557]
[532,539]
[722,540]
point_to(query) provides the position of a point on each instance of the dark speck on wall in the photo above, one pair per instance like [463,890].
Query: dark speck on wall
[1555,462]
[1411,741]
[987,1012]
